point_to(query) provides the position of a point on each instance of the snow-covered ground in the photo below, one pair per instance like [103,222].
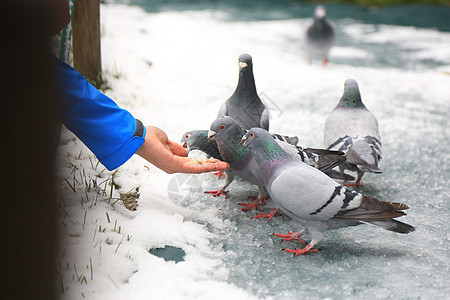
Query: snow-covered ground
[173,70]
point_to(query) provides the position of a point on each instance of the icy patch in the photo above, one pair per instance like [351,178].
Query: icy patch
[169,253]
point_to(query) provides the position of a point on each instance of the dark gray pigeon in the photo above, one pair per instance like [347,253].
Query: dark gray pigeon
[320,35]
[244,105]
[353,129]
[313,199]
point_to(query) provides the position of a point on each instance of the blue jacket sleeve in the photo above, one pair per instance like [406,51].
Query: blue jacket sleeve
[109,131]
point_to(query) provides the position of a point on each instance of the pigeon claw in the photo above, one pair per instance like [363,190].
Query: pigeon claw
[269,216]
[356,184]
[264,199]
[254,204]
[218,193]
[291,236]
[220,174]
[298,251]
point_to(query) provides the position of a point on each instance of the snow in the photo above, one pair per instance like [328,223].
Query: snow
[173,70]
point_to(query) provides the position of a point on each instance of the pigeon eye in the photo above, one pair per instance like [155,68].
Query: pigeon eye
[187,136]
[252,135]
[222,127]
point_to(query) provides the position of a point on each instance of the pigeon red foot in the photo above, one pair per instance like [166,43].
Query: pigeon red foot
[269,216]
[218,192]
[257,202]
[291,236]
[355,184]
[298,251]
[220,174]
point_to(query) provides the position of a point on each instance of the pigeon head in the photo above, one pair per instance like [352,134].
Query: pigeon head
[195,139]
[351,97]
[320,12]
[246,82]
[225,128]
[198,140]
[245,60]
[257,137]
[261,140]
[227,134]
[269,155]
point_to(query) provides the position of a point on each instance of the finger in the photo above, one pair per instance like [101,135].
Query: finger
[209,167]
[188,165]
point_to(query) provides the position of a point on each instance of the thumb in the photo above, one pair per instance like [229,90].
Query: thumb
[176,148]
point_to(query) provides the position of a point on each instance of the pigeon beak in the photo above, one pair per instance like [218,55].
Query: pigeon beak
[244,139]
[242,65]
[211,135]
[186,146]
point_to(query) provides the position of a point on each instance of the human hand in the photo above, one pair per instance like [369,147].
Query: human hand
[171,157]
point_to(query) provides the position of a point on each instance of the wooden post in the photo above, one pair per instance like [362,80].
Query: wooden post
[86,39]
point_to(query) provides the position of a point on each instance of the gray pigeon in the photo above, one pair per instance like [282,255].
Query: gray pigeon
[244,105]
[313,199]
[320,35]
[353,129]
[228,134]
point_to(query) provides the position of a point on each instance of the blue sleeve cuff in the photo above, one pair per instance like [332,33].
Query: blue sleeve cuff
[119,157]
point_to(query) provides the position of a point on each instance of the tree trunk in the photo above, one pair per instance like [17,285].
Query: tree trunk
[86,39]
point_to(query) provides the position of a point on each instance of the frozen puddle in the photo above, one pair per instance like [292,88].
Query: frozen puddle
[169,253]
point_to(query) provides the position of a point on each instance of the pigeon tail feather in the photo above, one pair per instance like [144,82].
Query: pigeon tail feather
[393,225]
[328,159]
[372,209]
[325,151]
[339,175]
[328,162]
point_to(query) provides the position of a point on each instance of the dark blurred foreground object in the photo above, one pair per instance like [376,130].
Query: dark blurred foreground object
[28,149]
[320,36]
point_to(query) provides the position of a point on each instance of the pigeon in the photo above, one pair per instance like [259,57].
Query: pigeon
[313,199]
[228,134]
[320,35]
[244,105]
[353,129]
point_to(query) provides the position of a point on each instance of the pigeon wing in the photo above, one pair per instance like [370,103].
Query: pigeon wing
[264,121]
